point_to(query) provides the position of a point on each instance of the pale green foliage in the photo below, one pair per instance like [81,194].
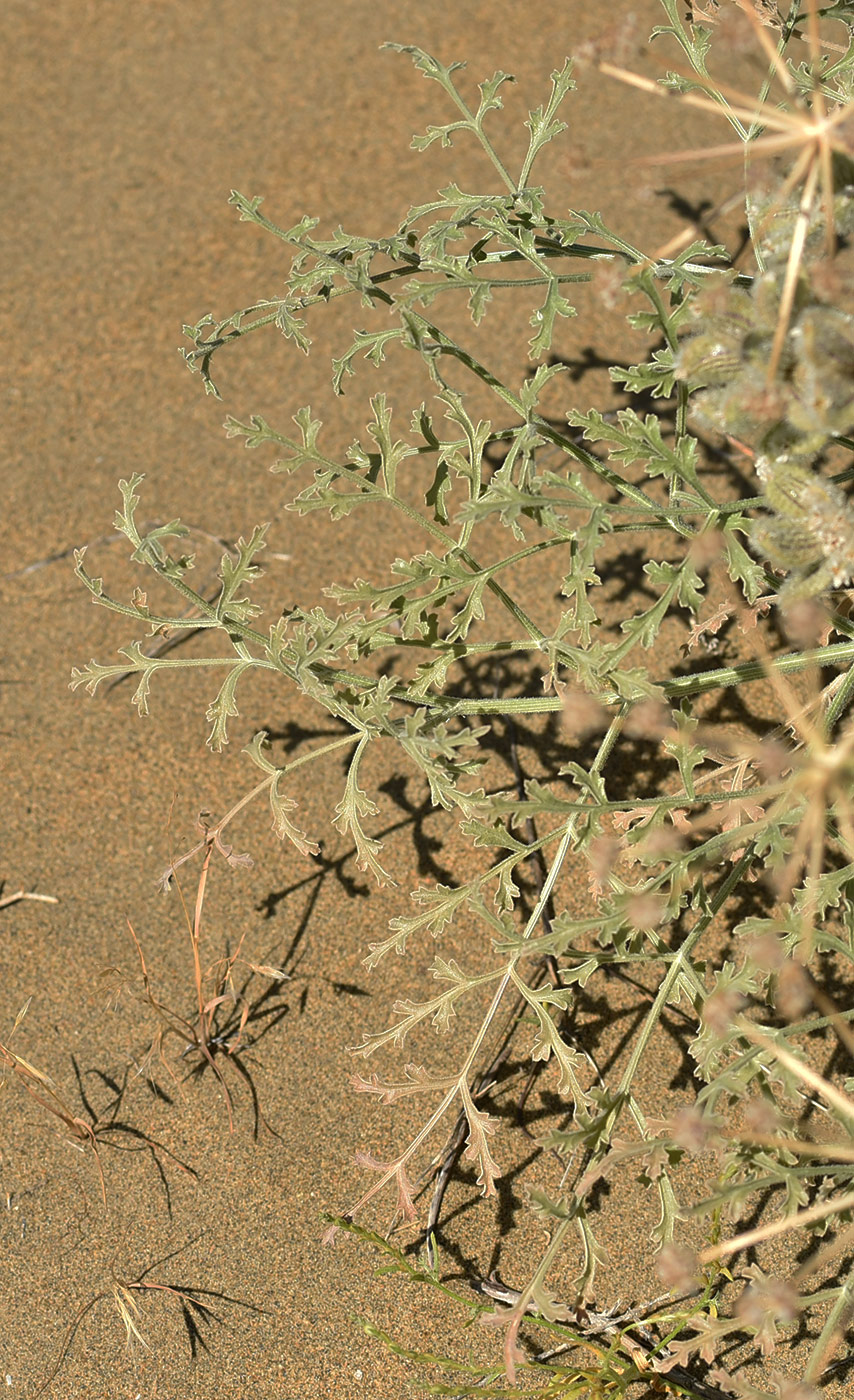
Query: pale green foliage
[384,662]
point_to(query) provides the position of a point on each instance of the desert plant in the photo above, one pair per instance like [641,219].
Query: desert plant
[749,366]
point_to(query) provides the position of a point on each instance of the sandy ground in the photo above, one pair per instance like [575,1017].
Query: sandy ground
[125,127]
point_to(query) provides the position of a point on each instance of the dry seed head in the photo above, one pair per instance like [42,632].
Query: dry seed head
[723,307]
[768,1295]
[662,843]
[602,855]
[772,760]
[608,283]
[646,910]
[583,715]
[793,997]
[706,549]
[748,407]
[709,359]
[725,351]
[678,1267]
[721,1008]
[767,952]
[811,530]
[763,1117]
[619,43]
[648,719]
[691,1130]
[806,623]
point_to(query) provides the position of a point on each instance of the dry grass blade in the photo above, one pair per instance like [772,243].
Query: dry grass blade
[207,1032]
[43,1091]
[128,1310]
